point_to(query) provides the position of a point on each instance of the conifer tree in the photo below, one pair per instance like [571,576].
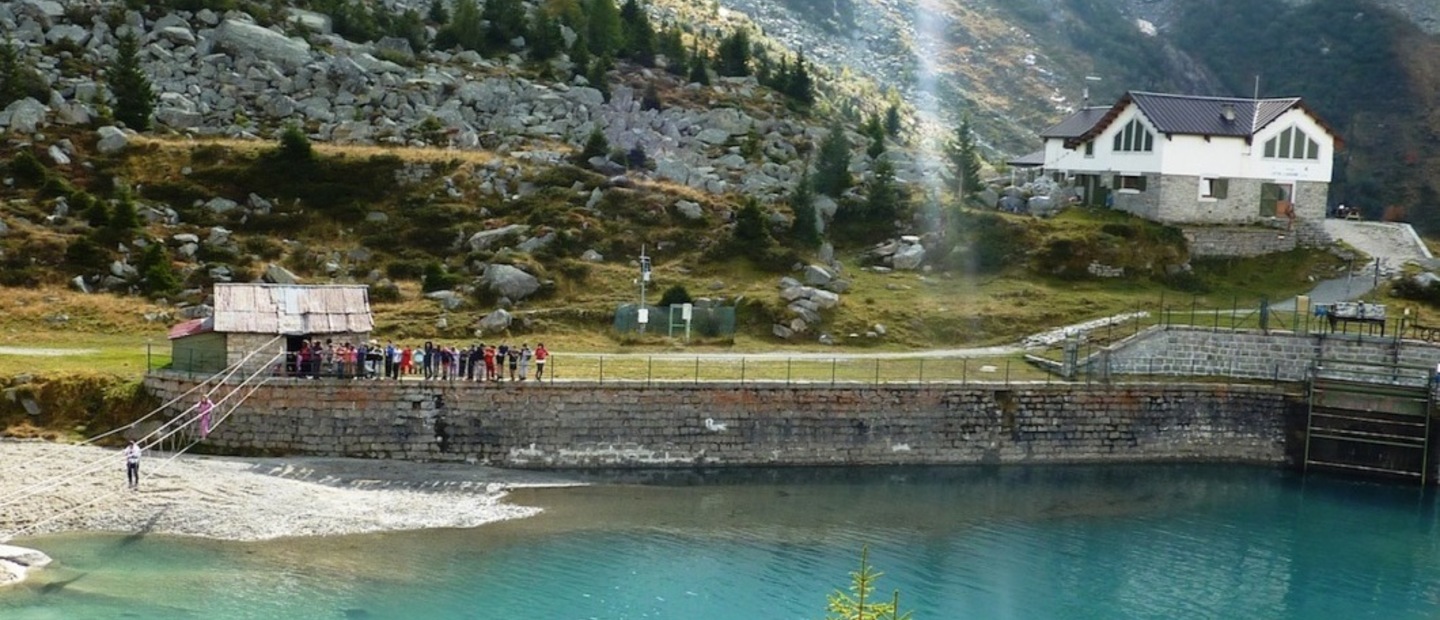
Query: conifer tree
[832,165]
[466,28]
[12,74]
[639,35]
[964,160]
[157,275]
[858,602]
[734,55]
[595,146]
[438,14]
[750,234]
[134,98]
[799,86]
[884,199]
[545,38]
[124,216]
[892,120]
[699,73]
[804,231]
[505,20]
[602,25]
[673,48]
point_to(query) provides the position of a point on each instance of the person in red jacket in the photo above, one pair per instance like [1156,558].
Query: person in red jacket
[541,354]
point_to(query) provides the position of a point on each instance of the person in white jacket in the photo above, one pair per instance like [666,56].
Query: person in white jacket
[132,464]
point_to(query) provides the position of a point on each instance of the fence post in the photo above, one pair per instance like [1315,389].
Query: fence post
[1007,372]
[697,370]
[832,372]
[742,371]
[649,370]
[922,371]
[877,371]
[964,369]
[1234,307]
[602,369]
[1193,300]
[787,371]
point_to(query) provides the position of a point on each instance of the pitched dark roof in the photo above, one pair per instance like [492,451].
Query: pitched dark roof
[1195,115]
[1076,124]
[1029,160]
[1205,116]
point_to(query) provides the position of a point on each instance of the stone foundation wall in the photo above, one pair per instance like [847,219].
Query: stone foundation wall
[1228,241]
[591,425]
[1284,356]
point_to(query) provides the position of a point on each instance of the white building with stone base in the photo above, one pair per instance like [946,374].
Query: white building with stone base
[1193,160]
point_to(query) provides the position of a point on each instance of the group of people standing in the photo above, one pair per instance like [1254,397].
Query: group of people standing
[477,362]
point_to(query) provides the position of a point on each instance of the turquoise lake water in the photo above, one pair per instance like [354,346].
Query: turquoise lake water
[1013,542]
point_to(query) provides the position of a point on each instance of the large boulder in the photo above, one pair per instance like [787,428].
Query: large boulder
[449,300]
[242,39]
[15,562]
[484,239]
[25,116]
[817,275]
[690,210]
[908,256]
[510,282]
[497,321]
[275,274]
[112,140]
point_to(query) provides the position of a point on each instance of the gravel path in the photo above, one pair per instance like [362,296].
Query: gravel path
[1395,244]
[249,499]
[42,352]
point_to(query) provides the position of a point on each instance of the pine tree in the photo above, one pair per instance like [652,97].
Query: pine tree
[799,86]
[805,230]
[124,217]
[964,160]
[12,74]
[157,275]
[892,120]
[699,73]
[505,20]
[598,75]
[602,25]
[734,55]
[638,34]
[832,165]
[858,601]
[545,37]
[750,234]
[134,98]
[595,146]
[438,15]
[884,199]
[466,28]
[673,48]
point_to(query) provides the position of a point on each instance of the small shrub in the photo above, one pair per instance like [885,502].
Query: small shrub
[264,247]
[27,168]
[405,270]
[295,145]
[437,279]
[385,293]
[675,295]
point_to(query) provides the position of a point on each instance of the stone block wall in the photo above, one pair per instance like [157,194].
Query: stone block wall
[719,424]
[1284,356]
[1228,241]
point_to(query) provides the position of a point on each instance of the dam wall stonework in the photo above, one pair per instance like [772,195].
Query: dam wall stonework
[1253,354]
[586,425]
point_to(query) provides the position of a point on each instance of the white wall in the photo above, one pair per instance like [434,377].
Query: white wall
[1105,160]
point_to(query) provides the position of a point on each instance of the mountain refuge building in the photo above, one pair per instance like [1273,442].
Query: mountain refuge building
[1187,159]
[250,317]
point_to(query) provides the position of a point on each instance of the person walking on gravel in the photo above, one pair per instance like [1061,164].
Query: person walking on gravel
[132,464]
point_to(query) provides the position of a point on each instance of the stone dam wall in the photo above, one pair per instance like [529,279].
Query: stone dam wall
[1252,354]
[583,425]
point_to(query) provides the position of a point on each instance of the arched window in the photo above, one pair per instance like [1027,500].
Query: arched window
[1292,144]
[1134,137]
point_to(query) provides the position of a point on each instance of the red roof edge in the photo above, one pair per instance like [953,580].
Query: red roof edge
[190,328]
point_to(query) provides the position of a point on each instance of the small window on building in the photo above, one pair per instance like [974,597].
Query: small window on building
[1292,143]
[1214,188]
[1090,148]
[1129,183]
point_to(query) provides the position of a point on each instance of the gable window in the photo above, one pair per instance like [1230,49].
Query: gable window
[1090,148]
[1133,138]
[1292,143]
[1214,189]
[1129,183]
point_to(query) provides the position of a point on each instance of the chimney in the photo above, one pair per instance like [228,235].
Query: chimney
[1227,112]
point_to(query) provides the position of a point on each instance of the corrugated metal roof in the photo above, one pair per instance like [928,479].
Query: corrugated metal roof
[1197,115]
[191,327]
[1206,116]
[1076,124]
[292,309]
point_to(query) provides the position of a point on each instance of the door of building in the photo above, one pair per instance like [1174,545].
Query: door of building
[1275,199]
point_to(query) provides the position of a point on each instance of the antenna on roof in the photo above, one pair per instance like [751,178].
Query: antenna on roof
[1085,94]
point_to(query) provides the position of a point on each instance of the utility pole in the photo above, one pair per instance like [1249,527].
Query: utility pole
[644,312]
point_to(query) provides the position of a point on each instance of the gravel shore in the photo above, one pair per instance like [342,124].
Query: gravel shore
[247,499]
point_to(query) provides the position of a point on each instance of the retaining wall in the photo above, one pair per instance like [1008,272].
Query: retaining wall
[589,425]
[1283,356]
